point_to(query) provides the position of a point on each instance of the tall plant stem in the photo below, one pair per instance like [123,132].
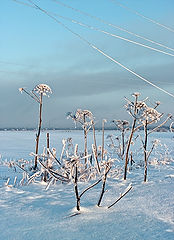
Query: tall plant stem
[130,138]
[107,169]
[128,148]
[48,146]
[76,190]
[123,145]
[145,152]
[103,132]
[85,140]
[39,130]
[95,148]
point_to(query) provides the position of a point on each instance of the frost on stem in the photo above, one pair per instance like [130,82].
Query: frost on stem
[86,119]
[142,115]
[123,126]
[37,94]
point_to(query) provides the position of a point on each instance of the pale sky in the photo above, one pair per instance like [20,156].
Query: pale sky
[36,49]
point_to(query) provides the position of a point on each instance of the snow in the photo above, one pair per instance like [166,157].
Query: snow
[32,212]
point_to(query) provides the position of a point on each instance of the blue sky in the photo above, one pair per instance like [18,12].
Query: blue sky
[36,49]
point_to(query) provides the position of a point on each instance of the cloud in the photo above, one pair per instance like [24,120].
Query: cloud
[102,92]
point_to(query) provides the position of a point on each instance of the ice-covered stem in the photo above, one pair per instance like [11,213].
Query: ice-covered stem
[131,159]
[39,130]
[76,188]
[95,147]
[54,174]
[130,136]
[145,151]
[91,186]
[121,196]
[31,94]
[107,169]
[103,136]
[123,126]
[165,121]
[84,117]
[85,139]
[48,146]
[37,94]
[146,133]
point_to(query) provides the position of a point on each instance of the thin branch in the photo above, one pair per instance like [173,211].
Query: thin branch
[35,96]
[36,99]
[52,174]
[91,186]
[153,130]
[54,157]
[149,153]
[121,196]
[103,186]
[22,169]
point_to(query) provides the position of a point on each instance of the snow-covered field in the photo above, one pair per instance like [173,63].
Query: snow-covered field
[31,212]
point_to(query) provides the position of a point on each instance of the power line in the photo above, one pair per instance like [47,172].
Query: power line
[105,32]
[112,35]
[20,2]
[100,51]
[111,24]
[141,15]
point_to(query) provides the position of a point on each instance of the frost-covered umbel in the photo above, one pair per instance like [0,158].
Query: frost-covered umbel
[121,124]
[141,111]
[42,88]
[80,114]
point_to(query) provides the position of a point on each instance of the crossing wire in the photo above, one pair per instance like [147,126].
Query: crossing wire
[111,24]
[100,51]
[112,35]
[141,15]
[105,32]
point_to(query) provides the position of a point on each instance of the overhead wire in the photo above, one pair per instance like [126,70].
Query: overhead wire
[108,33]
[21,2]
[141,15]
[111,24]
[113,35]
[100,51]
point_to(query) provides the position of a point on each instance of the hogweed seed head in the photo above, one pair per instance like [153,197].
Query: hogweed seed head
[136,94]
[80,114]
[42,88]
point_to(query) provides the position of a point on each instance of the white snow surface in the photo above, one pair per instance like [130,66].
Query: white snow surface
[31,212]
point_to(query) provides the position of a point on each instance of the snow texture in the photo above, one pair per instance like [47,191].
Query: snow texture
[32,212]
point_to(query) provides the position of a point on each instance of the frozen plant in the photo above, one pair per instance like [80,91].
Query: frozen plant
[143,116]
[37,94]
[135,109]
[148,116]
[86,119]
[103,130]
[123,126]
